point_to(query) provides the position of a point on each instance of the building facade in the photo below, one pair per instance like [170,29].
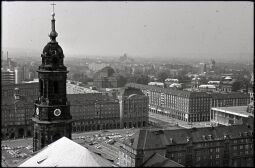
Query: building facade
[189,106]
[7,77]
[183,105]
[134,110]
[89,111]
[18,75]
[17,109]
[229,99]
[198,147]
[94,111]
[52,118]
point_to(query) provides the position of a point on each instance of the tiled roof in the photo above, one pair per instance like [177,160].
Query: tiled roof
[182,93]
[63,152]
[157,160]
[87,98]
[235,110]
[229,95]
[151,139]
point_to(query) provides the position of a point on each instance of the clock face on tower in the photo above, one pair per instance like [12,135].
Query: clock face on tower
[57,112]
[37,111]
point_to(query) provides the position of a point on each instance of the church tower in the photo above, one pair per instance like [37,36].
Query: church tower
[52,119]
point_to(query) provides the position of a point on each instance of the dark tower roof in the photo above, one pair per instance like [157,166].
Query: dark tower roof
[52,45]
[52,56]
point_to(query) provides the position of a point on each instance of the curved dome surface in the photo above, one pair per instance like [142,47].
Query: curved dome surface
[52,49]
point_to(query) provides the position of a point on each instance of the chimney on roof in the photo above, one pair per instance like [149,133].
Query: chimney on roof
[204,137]
[171,140]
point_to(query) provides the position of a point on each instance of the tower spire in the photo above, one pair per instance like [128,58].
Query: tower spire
[53,34]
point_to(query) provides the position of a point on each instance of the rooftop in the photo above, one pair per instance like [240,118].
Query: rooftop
[151,139]
[157,160]
[235,110]
[207,86]
[75,89]
[63,152]
[182,93]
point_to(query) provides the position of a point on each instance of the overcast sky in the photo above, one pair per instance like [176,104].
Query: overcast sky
[135,28]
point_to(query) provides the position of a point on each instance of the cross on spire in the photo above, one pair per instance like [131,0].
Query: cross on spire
[53,6]
[53,34]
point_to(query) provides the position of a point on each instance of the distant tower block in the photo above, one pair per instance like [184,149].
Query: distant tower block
[18,75]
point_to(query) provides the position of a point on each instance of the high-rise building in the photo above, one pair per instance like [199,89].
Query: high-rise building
[212,65]
[25,70]
[8,77]
[18,75]
[52,118]
[202,67]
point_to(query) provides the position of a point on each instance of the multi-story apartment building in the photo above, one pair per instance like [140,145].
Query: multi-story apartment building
[189,106]
[198,147]
[17,109]
[94,111]
[229,99]
[183,105]
[7,77]
[133,108]
[90,111]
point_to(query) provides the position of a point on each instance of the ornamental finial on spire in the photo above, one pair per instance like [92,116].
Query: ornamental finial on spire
[53,12]
[53,34]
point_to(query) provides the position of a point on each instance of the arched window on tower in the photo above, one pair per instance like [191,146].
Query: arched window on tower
[55,87]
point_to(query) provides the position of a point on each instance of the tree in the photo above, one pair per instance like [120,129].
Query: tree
[142,80]
[121,81]
[162,76]
[236,86]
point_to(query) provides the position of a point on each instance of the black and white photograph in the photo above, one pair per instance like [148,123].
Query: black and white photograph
[127,84]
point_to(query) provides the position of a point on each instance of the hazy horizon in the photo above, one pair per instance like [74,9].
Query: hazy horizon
[140,29]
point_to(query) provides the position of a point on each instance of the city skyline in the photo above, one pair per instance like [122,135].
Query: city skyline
[200,29]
